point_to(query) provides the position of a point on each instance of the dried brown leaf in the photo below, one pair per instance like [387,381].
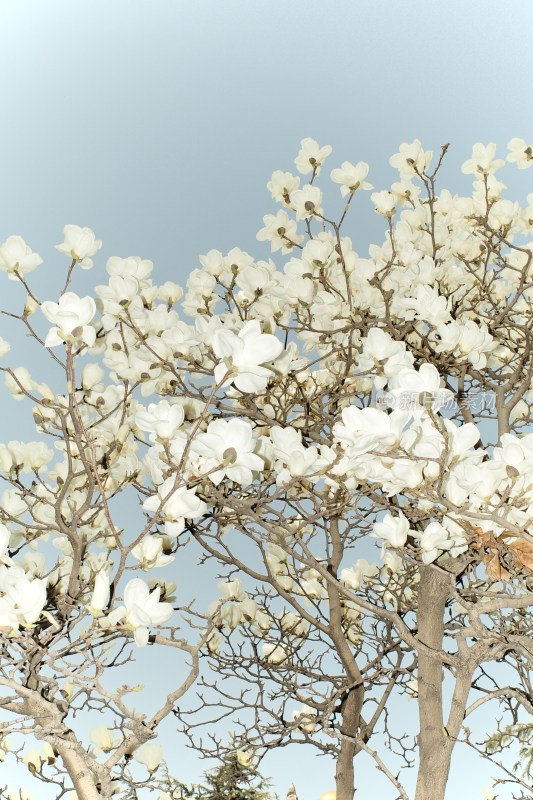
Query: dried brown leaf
[522,552]
[495,569]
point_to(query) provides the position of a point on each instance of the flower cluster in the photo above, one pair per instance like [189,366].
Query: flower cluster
[242,408]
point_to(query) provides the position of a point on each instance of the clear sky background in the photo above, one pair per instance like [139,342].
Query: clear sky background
[157,123]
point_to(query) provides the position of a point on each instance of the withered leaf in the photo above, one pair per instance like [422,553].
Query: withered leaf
[522,552]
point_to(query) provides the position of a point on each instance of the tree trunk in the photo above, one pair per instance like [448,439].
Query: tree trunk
[50,728]
[353,701]
[81,777]
[344,771]
[435,747]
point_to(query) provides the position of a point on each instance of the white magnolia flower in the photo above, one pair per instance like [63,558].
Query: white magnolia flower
[292,457]
[384,203]
[182,504]
[244,354]
[361,572]
[501,214]
[144,609]
[16,256]
[161,419]
[368,429]
[151,755]
[394,530]
[312,588]
[515,451]
[475,482]
[18,382]
[294,625]
[307,202]
[79,244]
[425,382]
[5,347]
[104,738]
[311,156]
[281,231]
[170,292]
[520,153]
[6,459]
[229,445]
[306,718]
[91,377]
[244,758]
[132,266]
[281,185]
[434,538]
[461,442]
[150,554]
[351,177]
[483,160]
[118,293]
[391,561]
[100,596]
[234,612]
[466,339]
[424,304]
[13,504]
[30,456]
[232,590]
[28,598]
[4,540]
[519,411]
[70,317]
[378,345]
[411,159]
[274,653]
[36,756]
[9,621]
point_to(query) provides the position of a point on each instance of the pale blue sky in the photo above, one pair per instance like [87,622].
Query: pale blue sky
[158,124]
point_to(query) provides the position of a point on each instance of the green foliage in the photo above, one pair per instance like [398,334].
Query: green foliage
[233,781]
[520,734]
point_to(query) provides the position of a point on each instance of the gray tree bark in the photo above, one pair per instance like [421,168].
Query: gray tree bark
[435,746]
[353,702]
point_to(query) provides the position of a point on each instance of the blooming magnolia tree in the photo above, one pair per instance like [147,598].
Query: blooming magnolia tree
[308,410]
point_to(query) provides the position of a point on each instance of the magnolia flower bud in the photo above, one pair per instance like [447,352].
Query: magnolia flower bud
[151,755]
[67,689]
[100,596]
[274,653]
[170,292]
[91,376]
[79,244]
[35,757]
[232,590]
[105,739]
[244,758]
[384,203]
[214,641]
[306,717]
[30,306]
[19,383]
